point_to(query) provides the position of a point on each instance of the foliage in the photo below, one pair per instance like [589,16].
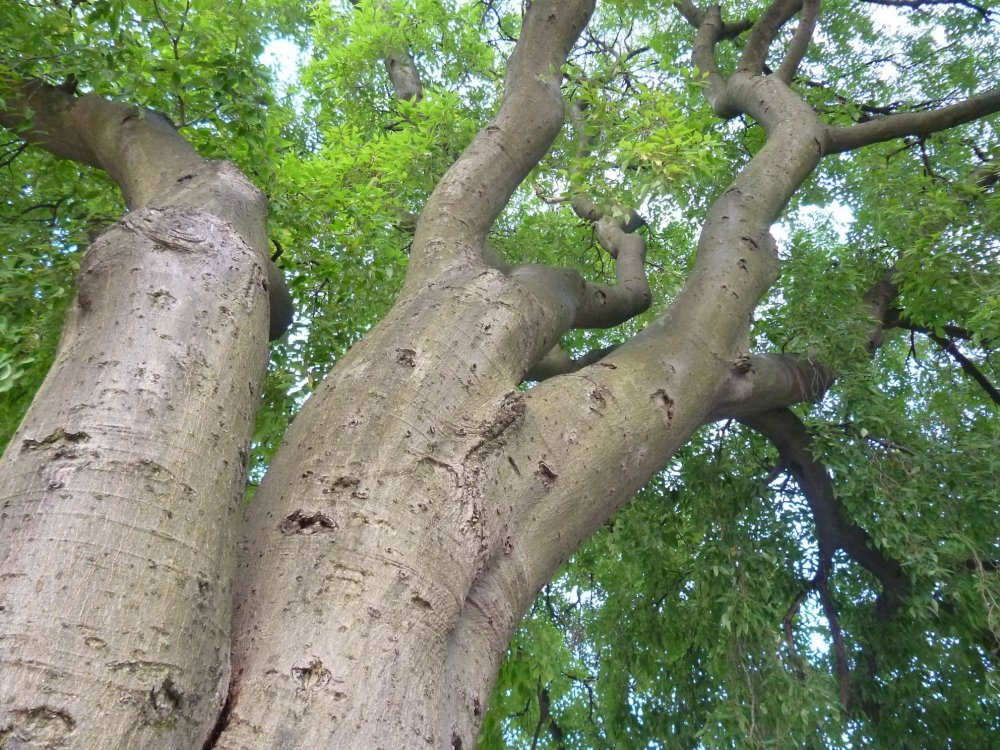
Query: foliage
[671,628]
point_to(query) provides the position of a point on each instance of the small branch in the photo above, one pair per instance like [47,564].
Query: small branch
[839,650]
[800,41]
[558,362]
[602,305]
[916,4]
[896,319]
[987,174]
[786,626]
[947,343]
[968,366]
[840,139]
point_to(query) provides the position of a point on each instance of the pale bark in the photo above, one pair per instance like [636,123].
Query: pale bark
[420,499]
[119,492]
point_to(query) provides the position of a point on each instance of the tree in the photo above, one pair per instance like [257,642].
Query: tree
[813,559]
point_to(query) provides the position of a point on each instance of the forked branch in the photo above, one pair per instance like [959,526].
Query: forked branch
[755,51]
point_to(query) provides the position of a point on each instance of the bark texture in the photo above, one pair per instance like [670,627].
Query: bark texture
[119,492]
[421,497]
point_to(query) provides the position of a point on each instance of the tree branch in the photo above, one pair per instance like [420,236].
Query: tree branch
[558,362]
[800,41]
[842,139]
[771,381]
[709,27]
[453,225]
[602,305]
[915,4]
[140,150]
[695,16]
[764,31]
[402,70]
[968,366]
[834,530]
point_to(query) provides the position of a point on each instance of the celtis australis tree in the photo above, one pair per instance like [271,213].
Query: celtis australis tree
[520,264]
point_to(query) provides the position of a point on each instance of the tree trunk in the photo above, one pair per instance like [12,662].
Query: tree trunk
[121,488]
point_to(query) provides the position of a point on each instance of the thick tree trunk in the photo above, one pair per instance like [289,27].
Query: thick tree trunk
[120,490]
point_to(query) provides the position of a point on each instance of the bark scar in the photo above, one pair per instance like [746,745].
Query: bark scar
[56,437]
[312,675]
[665,402]
[302,522]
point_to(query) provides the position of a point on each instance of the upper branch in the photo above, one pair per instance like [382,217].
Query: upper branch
[911,123]
[452,227]
[800,42]
[981,10]
[139,148]
[764,31]
[405,77]
[695,16]
[141,151]
[402,70]
[709,28]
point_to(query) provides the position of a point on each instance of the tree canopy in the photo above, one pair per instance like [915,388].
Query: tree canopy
[821,577]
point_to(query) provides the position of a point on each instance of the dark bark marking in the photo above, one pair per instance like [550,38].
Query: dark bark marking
[162,297]
[406,357]
[59,436]
[301,522]
[598,395]
[513,465]
[509,414]
[312,676]
[222,722]
[39,726]
[345,483]
[165,699]
[421,602]
[664,401]
[456,741]
[547,474]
